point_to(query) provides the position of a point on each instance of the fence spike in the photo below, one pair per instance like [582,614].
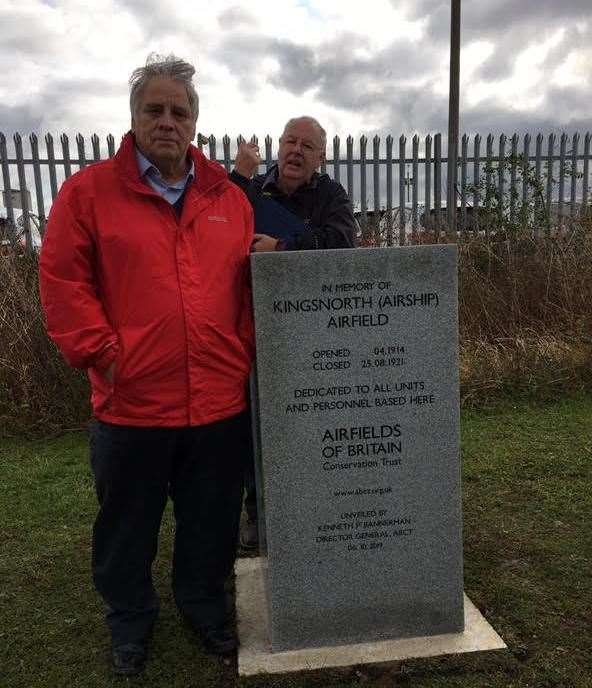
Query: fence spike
[350,166]
[268,152]
[226,149]
[26,210]
[415,185]
[81,151]
[96,146]
[402,217]
[34,143]
[336,160]
[6,180]
[575,143]
[376,179]
[389,190]
[212,146]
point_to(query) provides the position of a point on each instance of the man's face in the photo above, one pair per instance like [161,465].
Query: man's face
[163,123]
[300,153]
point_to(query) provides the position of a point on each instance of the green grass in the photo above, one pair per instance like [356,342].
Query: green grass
[528,553]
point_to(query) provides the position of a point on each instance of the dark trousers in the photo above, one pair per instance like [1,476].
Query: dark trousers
[250,500]
[136,470]
[250,488]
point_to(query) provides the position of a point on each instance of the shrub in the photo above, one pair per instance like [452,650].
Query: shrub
[525,309]
[38,391]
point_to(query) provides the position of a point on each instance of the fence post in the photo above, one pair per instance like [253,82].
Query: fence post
[81,151]
[66,154]
[38,185]
[501,178]
[525,210]
[226,151]
[268,155]
[20,166]
[96,146]
[415,190]
[476,181]
[336,160]
[438,181]
[464,153]
[7,183]
[586,172]
[350,167]
[513,175]
[363,141]
[402,155]
[428,182]
[212,147]
[376,179]
[539,200]
[53,180]
[575,144]
[561,199]
[550,150]
[389,190]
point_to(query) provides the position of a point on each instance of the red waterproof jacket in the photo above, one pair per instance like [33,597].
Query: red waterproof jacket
[123,279]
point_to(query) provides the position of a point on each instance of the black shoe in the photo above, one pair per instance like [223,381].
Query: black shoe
[249,534]
[128,659]
[217,640]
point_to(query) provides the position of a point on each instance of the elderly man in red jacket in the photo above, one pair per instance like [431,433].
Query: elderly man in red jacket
[144,284]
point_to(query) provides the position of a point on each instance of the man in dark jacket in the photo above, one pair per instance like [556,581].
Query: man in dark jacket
[296,208]
[321,204]
[144,283]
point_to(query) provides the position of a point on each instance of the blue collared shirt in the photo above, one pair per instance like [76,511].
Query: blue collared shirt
[170,192]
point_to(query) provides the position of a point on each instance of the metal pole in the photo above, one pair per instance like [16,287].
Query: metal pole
[453,109]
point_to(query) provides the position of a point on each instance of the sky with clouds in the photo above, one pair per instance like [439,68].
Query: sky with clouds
[377,66]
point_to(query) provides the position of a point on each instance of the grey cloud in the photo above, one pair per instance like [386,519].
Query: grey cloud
[20,118]
[234,17]
[414,110]
[27,34]
[158,19]
[500,64]
[65,90]
[58,99]
[489,118]
[500,14]
[299,68]
[340,77]
[496,17]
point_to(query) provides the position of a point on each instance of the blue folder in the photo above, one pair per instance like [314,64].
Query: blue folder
[273,219]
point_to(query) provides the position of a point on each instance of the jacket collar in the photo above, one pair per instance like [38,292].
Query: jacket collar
[271,178]
[208,174]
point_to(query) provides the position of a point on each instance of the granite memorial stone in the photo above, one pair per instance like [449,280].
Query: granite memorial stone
[356,409]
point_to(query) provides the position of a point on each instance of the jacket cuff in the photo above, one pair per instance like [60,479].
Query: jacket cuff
[238,176]
[105,357]
[285,245]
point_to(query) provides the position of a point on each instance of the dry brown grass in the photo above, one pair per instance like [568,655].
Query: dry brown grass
[38,391]
[525,316]
[525,329]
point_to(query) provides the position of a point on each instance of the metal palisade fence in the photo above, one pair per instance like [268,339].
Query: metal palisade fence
[398,189]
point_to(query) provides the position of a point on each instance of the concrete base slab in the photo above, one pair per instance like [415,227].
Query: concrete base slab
[255,656]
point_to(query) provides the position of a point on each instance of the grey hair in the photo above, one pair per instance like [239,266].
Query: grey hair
[168,66]
[311,120]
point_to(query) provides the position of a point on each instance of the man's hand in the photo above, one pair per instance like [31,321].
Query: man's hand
[263,242]
[247,159]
